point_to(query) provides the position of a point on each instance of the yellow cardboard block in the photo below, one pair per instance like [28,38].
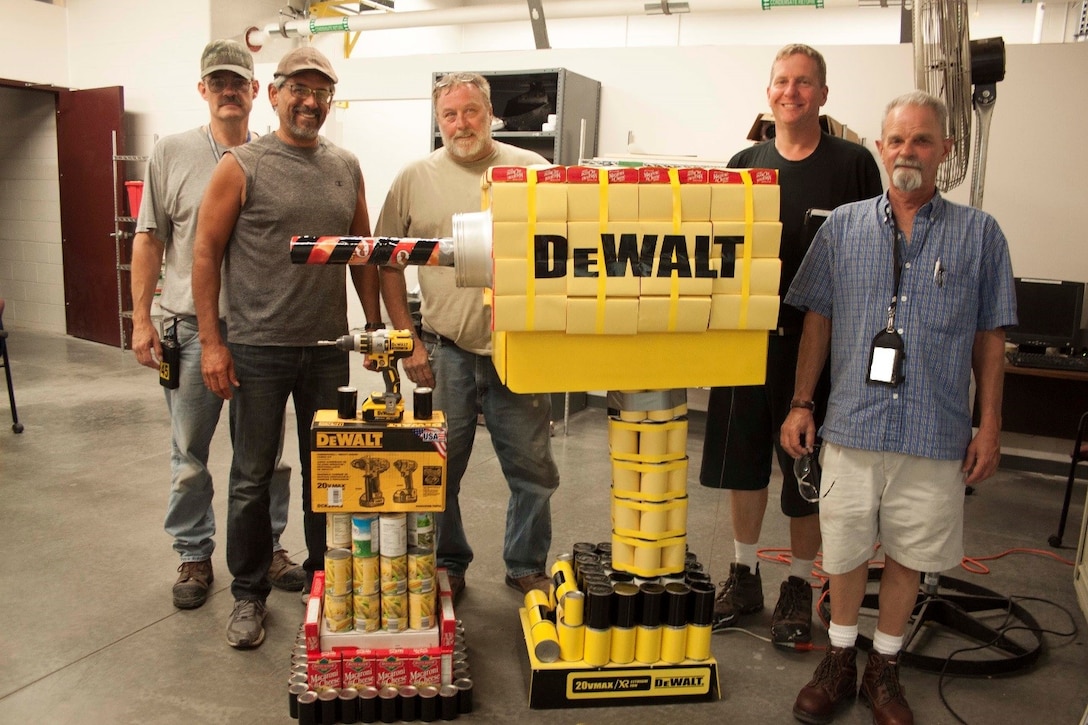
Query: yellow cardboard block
[766,237]
[586,194]
[665,314]
[763,278]
[587,236]
[522,313]
[692,268]
[620,316]
[544,362]
[727,202]
[510,240]
[512,277]
[761,312]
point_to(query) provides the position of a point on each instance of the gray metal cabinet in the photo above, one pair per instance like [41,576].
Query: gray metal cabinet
[571,97]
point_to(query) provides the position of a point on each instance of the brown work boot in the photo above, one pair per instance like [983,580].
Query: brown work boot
[191,589]
[527,583]
[880,690]
[741,593]
[286,574]
[834,682]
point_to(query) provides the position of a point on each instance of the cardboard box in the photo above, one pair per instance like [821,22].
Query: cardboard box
[562,684]
[358,466]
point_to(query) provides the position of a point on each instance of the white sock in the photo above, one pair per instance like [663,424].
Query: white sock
[801,568]
[746,554]
[841,635]
[886,644]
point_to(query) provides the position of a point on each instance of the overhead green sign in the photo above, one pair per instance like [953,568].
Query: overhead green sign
[768,4]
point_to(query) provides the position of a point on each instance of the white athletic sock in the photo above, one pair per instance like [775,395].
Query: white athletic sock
[801,568]
[886,644]
[841,635]
[746,554]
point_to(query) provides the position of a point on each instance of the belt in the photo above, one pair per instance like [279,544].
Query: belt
[435,339]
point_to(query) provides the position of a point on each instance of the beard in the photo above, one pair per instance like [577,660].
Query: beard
[307,133]
[462,150]
[907,178]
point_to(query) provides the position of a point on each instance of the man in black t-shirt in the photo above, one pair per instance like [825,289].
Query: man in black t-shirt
[816,171]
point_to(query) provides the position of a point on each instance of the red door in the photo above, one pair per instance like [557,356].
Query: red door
[85,122]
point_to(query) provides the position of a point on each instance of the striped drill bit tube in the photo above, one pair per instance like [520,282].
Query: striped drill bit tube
[376,251]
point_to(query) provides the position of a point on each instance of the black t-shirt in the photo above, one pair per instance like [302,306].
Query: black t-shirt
[837,172]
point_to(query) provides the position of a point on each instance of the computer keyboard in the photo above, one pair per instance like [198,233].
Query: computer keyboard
[1047,362]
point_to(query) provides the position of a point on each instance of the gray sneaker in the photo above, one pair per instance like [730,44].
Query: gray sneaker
[245,628]
[284,573]
[741,593]
[191,589]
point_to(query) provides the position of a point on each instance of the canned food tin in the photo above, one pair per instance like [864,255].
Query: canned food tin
[347,399]
[338,572]
[365,534]
[338,531]
[394,612]
[421,570]
[421,531]
[365,575]
[422,403]
[338,612]
[394,574]
[394,535]
[368,612]
[421,613]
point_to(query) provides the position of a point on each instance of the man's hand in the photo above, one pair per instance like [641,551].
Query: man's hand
[983,456]
[798,432]
[417,367]
[146,345]
[217,367]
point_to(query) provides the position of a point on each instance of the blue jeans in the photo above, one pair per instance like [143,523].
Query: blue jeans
[194,415]
[267,376]
[519,425]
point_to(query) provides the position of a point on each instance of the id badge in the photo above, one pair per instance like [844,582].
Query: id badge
[886,358]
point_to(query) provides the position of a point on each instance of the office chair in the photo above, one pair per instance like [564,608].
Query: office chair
[6,364]
[1080,453]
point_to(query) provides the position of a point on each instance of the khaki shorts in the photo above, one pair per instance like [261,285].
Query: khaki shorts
[913,506]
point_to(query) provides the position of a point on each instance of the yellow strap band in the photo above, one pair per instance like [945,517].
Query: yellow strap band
[602,277]
[746,261]
[530,270]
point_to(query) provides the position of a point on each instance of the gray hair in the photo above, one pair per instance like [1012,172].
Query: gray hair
[450,80]
[807,51]
[922,100]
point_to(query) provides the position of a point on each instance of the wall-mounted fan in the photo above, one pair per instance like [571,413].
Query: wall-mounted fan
[947,64]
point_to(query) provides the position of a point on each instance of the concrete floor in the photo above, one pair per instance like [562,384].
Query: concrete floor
[89,634]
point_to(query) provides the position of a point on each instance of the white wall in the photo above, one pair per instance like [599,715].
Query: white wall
[31,272]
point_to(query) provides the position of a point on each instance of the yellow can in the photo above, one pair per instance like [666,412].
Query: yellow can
[338,612]
[421,614]
[421,569]
[394,612]
[338,572]
[368,612]
[394,574]
[365,577]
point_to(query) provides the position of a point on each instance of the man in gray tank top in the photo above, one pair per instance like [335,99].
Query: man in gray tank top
[261,194]
[177,173]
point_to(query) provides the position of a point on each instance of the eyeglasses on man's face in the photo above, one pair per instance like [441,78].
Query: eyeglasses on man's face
[218,84]
[807,470]
[301,93]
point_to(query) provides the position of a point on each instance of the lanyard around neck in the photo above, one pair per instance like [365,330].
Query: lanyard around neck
[216,153]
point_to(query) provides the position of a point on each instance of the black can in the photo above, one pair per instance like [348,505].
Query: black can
[347,400]
[422,403]
[428,703]
[349,705]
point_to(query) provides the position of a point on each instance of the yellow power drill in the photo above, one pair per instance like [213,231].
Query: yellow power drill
[385,348]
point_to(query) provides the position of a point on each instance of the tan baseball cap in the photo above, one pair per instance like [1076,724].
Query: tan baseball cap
[303,59]
[229,55]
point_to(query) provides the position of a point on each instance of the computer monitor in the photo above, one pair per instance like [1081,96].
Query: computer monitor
[1050,313]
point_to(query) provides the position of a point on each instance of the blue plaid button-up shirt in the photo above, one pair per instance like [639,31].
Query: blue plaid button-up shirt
[956,280]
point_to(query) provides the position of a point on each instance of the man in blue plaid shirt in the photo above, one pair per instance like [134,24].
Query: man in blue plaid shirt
[908,294]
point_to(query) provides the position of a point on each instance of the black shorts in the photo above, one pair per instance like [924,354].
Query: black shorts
[742,429]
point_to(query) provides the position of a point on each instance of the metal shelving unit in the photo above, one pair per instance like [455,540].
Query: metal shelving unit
[123,232]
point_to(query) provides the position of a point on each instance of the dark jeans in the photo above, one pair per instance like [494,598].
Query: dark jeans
[267,376]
